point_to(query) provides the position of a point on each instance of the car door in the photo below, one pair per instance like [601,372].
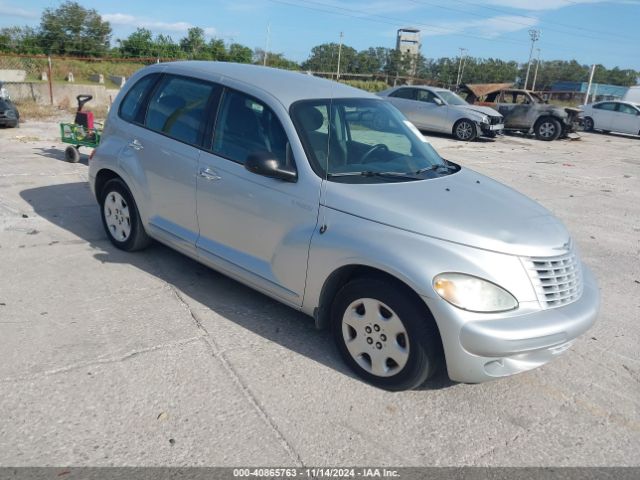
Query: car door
[166,148]
[603,115]
[516,109]
[432,115]
[405,100]
[251,226]
[626,119]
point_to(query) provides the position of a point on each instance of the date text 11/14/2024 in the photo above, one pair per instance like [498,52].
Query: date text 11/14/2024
[315,473]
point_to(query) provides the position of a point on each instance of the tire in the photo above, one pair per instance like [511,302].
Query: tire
[547,129]
[372,309]
[71,154]
[588,124]
[120,217]
[465,130]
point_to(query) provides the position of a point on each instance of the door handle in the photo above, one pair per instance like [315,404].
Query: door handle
[209,174]
[135,144]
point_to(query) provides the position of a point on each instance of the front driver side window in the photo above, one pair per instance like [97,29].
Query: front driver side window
[246,125]
[426,96]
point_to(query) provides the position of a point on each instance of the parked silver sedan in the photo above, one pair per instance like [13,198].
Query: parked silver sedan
[329,200]
[612,116]
[441,110]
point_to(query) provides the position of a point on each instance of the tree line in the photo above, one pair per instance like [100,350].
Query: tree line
[72,30]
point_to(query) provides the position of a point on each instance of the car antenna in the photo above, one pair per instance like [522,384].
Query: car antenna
[323,188]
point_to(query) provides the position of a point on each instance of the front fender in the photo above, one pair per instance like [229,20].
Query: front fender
[412,258]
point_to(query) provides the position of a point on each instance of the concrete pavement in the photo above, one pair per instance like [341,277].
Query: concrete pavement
[110,358]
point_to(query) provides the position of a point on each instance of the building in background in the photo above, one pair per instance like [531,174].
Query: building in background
[408,42]
[599,91]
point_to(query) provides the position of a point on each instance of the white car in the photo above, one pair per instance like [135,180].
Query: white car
[612,116]
[440,110]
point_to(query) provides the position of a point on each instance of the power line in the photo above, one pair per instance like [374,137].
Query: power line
[357,14]
[500,10]
[352,13]
[515,22]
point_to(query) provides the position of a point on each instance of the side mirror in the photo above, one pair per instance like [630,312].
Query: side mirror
[265,164]
[438,102]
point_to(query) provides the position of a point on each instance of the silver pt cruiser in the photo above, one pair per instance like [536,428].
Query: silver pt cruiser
[329,200]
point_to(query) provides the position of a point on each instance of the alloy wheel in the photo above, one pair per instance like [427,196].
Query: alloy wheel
[464,131]
[547,129]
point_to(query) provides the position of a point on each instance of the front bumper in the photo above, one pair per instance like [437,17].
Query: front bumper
[486,129]
[478,349]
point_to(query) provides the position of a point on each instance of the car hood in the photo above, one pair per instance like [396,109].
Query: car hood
[480,109]
[464,207]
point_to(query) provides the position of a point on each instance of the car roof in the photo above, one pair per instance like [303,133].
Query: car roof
[420,87]
[285,85]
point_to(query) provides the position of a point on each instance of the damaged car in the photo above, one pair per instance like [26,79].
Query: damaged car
[524,111]
[9,115]
[441,110]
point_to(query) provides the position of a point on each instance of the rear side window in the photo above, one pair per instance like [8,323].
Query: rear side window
[177,108]
[246,125]
[407,93]
[605,106]
[134,98]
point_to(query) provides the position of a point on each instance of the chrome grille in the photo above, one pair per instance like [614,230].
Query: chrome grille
[494,120]
[557,280]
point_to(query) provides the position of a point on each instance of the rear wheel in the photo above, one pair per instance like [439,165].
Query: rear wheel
[385,334]
[71,154]
[588,124]
[120,217]
[547,129]
[465,130]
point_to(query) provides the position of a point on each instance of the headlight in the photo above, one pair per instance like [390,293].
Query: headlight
[472,293]
[484,120]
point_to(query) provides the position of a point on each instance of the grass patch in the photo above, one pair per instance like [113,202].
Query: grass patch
[368,85]
[30,110]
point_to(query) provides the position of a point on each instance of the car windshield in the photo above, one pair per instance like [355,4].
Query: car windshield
[364,141]
[451,98]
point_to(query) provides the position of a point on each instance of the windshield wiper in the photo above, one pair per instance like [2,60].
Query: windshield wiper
[437,166]
[371,173]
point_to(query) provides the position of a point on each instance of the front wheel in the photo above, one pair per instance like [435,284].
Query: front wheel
[385,334]
[465,130]
[547,129]
[588,124]
[120,217]
[71,154]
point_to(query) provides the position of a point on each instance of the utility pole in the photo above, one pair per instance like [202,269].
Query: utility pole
[266,48]
[586,97]
[339,52]
[49,79]
[535,36]
[463,51]
[535,75]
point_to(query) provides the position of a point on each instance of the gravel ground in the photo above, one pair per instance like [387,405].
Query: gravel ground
[111,358]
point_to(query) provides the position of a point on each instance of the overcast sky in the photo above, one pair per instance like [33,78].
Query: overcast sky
[591,31]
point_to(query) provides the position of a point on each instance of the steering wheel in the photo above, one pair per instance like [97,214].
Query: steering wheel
[378,147]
